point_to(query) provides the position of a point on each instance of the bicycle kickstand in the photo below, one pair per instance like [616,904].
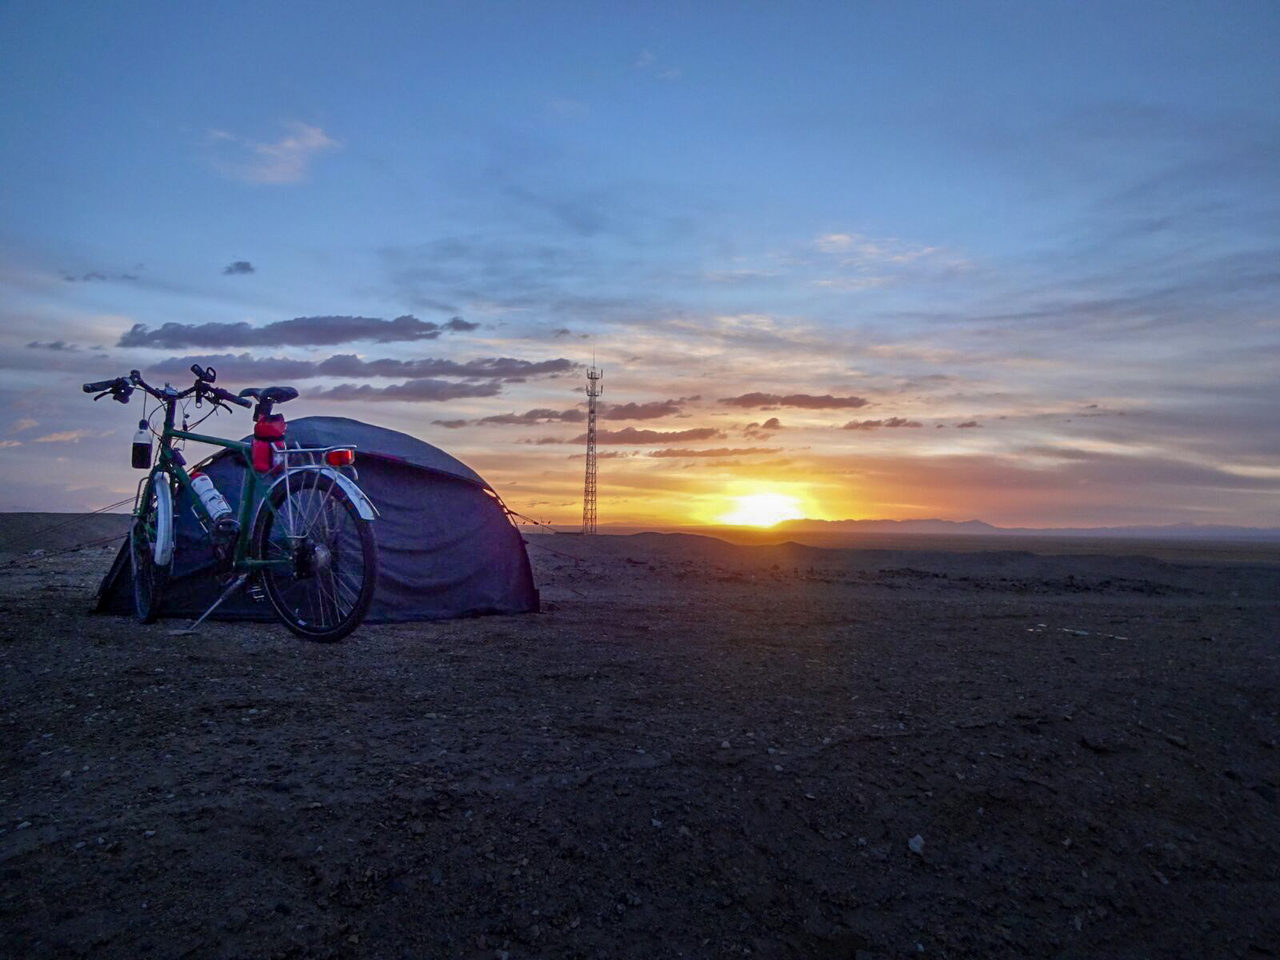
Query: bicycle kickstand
[235,585]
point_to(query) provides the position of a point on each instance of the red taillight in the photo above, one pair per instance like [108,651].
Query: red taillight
[340,458]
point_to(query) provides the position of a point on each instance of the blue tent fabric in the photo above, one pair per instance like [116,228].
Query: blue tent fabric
[446,547]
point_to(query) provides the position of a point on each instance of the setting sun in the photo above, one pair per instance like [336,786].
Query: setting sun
[762,510]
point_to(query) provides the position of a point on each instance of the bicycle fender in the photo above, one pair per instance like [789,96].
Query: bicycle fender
[364,506]
[164,521]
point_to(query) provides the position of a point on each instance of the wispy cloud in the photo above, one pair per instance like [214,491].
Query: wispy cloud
[856,248]
[652,410]
[540,416]
[647,62]
[238,267]
[246,366]
[97,276]
[286,160]
[675,452]
[426,390]
[300,331]
[66,436]
[630,435]
[890,423]
[804,400]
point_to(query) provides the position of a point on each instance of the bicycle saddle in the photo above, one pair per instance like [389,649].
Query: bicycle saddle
[270,394]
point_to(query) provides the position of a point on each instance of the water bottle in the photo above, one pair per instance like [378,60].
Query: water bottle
[213,501]
[142,447]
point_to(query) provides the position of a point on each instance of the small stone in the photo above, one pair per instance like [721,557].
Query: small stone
[916,845]
[724,744]
[23,825]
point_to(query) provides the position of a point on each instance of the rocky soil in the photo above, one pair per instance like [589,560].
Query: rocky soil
[696,750]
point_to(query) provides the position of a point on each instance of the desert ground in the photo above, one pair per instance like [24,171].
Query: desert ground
[698,749]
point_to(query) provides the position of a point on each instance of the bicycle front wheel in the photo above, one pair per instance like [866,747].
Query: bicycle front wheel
[323,561]
[151,548]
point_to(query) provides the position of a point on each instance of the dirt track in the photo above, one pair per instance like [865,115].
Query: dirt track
[698,750]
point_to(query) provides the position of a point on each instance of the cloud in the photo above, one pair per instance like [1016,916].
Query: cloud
[855,249]
[647,62]
[602,455]
[5,444]
[284,161]
[458,325]
[65,436]
[244,366]
[968,425]
[239,266]
[716,452]
[542,415]
[646,437]
[298,332]
[26,423]
[805,400]
[530,417]
[651,410]
[877,424]
[51,345]
[762,431]
[98,277]
[426,390]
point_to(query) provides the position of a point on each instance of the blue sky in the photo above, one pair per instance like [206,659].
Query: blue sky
[1010,261]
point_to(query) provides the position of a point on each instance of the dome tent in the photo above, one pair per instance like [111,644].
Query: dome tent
[446,547]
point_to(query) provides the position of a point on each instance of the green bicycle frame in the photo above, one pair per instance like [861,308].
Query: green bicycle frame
[252,494]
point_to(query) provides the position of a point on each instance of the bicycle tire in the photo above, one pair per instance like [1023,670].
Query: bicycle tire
[324,590]
[150,569]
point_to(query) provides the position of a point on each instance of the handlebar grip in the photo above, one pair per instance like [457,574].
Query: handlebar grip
[100,386]
[226,395]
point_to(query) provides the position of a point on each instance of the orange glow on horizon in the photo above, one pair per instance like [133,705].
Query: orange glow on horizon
[764,509]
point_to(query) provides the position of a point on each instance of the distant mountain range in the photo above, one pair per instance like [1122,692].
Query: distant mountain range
[1181,531]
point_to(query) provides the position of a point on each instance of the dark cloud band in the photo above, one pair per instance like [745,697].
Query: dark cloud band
[244,366]
[298,332]
[805,400]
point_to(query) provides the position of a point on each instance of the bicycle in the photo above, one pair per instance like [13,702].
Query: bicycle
[303,531]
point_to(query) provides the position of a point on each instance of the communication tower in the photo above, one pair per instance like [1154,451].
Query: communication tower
[594,390]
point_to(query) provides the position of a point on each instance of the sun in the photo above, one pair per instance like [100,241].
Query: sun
[762,510]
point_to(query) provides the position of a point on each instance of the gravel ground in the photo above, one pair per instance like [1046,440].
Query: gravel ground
[696,750]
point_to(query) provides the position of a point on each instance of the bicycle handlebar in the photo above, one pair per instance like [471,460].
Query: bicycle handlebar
[102,385]
[121,387]
[219,394]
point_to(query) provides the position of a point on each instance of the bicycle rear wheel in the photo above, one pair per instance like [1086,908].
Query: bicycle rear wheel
[150,548]
[324,561]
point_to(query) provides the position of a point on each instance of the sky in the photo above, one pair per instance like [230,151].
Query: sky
[1018,262]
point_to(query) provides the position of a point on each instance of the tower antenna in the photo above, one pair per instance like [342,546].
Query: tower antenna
[594,389]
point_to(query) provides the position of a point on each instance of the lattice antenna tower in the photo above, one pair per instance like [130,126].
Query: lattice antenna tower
[594,389]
